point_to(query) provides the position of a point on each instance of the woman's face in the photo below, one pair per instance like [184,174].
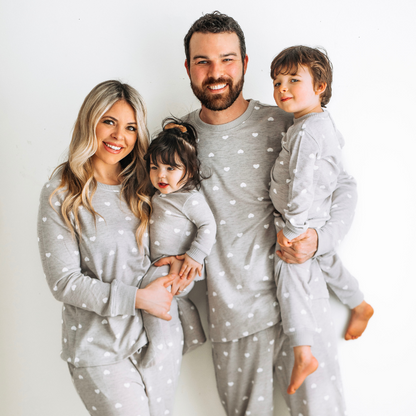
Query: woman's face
[116,135]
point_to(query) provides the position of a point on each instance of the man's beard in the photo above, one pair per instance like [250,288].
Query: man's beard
[218,102]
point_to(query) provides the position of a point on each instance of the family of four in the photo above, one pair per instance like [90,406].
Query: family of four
[125,227]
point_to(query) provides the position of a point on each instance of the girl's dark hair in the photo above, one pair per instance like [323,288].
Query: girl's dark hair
[177,146]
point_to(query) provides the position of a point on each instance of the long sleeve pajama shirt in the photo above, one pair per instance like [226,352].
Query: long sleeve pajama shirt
[181,222]
[96,275]
[303,179]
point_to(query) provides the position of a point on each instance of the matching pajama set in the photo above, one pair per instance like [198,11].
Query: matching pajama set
[303,179]
[181,222]
[104,338]
[249,345]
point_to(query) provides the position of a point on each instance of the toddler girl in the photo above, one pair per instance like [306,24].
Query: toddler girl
[181,221]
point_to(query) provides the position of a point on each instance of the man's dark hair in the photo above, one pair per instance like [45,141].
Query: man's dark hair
[316,60]
[215,22]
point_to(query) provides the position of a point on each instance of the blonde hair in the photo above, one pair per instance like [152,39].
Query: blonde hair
[77,173]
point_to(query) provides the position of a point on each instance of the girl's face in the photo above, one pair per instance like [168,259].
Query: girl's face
[166,178]
[116,134]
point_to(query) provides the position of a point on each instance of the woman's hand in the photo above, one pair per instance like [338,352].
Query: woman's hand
[155,297]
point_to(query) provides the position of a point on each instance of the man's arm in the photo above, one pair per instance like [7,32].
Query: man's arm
[344,201]
[324,240]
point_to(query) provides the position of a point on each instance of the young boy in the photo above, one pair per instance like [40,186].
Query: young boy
[303,179]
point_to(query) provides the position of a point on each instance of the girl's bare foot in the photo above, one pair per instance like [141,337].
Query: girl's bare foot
[305,364]
[360,316]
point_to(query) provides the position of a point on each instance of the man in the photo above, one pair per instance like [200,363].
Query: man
[239,141]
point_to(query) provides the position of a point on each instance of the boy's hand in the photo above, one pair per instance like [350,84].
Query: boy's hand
[282,240]
[189,269]
[303,248]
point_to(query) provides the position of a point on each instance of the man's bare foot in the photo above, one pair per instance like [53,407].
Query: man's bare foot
[360,316]
[305,364]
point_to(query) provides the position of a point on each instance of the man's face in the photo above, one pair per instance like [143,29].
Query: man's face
[216,69]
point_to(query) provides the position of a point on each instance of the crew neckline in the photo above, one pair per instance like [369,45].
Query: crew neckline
[227,126]
[111,188]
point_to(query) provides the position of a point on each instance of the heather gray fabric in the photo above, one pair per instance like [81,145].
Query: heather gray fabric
[240,269]
[298,285]
[305,173]
[95,276]
[303,179]
[181,222]
[245,370]
[129,389]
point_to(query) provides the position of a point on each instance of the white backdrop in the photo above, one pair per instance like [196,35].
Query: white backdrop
[52,54]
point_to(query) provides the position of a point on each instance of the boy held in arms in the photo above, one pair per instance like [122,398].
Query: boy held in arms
[303,179]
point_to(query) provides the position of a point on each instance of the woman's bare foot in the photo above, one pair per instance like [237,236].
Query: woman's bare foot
[305,364]
[360,316]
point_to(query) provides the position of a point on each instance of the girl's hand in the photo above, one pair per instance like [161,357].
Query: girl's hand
[155,298]
[190,268]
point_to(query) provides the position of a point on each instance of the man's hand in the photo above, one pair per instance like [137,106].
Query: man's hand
[301,248]
[155,297]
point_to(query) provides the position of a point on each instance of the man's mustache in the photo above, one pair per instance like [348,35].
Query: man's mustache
[220,80]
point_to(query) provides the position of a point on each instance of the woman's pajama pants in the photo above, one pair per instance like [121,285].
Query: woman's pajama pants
[126,388]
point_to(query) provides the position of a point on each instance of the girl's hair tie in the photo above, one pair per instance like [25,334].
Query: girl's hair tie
[175,126]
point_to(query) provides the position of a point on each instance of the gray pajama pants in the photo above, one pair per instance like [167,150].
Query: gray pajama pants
[245,369]
[299,284]
[340,280]
[127,388]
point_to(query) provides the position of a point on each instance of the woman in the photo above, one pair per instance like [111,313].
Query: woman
[92,224]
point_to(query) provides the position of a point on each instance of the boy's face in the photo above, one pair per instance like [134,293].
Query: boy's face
[297,94]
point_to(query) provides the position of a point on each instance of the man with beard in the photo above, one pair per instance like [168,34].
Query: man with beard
[239,141]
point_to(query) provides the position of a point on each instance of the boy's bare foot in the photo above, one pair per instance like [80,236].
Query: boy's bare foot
[305,364]
[360,316]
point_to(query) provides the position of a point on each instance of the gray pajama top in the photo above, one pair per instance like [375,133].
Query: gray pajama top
[240,155]
[181,222]
[95,276]
[306,172]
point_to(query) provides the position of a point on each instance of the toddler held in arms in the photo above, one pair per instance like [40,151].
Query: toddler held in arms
[303,179]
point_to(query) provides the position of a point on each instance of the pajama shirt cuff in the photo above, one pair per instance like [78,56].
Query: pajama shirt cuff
[124,301]
[289,234]
[196,254]
[301,338]
[354,300]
